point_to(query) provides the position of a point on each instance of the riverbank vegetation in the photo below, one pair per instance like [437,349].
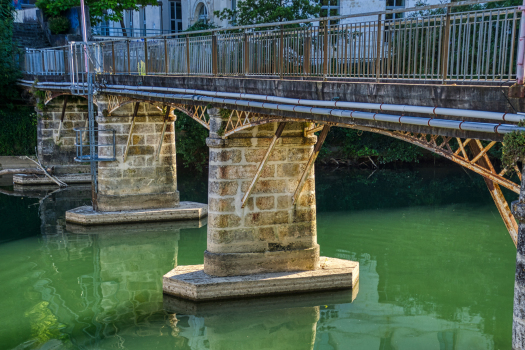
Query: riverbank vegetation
[17,119]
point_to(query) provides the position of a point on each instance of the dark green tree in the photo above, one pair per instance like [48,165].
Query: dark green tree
[267,11]
[9,56]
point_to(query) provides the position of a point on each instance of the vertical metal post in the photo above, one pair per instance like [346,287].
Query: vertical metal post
[281,54]
[146,55]
[129,58]
[187,54]
[325,51]
[246,54]
[520,71]
[446,44]
[113,57]
[307,51]
[214,53]
[378,49]
[166,56]
[43,65]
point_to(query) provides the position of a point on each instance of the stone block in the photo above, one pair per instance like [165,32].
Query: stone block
[223,220]
[228,236]
[265,186]
[221,204]
[303,215]
[265,202]
[290,170]
[140,150]
[224,156]
[266,218]
[299,154]
[223,188]
[232,172]
[256,155]
[267,234]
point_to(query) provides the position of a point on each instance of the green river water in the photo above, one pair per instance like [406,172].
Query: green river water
[436,272]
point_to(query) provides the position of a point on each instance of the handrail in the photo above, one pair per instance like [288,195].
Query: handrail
[479,45]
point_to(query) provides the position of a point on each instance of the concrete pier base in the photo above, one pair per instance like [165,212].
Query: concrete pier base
[88,216]
[190,282]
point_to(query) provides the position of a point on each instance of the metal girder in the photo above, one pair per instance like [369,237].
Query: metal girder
[278,133]
[444,149]
[126,149]
[310,163]
[495,191]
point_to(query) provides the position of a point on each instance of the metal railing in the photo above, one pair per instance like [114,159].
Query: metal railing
[443,46]
[104,31]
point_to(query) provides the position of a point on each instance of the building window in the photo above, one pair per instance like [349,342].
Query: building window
[202,13]
[175,16]
[394,5]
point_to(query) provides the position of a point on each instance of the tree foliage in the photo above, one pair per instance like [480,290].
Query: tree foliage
[266,11]
[99,10]
[9,55]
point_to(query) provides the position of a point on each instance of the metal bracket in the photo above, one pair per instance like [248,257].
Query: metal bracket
[310,163]
[278,133]
[161,141]
[135,111]
[62,117]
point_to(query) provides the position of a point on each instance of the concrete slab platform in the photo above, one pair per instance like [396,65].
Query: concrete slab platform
[33,179]
[141,227]
[227,308]
[185,211]
[190,282]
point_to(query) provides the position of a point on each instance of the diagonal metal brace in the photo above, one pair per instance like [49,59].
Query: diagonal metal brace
[161,141]
[311,162]
[62,117]
[278,133]
[135,111]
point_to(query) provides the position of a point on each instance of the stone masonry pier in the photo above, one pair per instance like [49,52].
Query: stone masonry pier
[259,242]
[141,184]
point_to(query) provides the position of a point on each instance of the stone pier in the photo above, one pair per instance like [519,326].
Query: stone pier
[141,184]
[56,142]
[518,324]
[268,245]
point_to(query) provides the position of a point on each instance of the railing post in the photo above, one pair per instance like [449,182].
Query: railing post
[113,57]
[146,55]
[446,44]
[246,54]
[214,55]
[65,59]
[325,50]
[307,50]
[188,54]
[520,71]
[281,54]
[166,55]
[129,58]
[378,49]
[43,64]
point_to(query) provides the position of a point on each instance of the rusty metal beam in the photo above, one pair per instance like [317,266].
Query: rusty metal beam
[161,141]
[449,155]
[495,191]
[483,151]
[126,149]
[310,163]
[278,133]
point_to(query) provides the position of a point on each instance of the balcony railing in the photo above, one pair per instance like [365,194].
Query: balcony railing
[108,31]
[476,46]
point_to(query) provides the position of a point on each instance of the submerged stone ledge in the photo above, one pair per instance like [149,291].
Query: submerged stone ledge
[190,282]
[86,215]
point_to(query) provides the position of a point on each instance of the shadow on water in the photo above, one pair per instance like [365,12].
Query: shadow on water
[436,272]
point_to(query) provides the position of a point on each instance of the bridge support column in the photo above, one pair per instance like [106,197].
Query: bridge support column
[56,141]
[141,186]
[268,245]
[518,325]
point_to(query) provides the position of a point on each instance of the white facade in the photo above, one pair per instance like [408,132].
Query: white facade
[172,16]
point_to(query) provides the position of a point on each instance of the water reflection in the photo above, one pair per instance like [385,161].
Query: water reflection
[431,277]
